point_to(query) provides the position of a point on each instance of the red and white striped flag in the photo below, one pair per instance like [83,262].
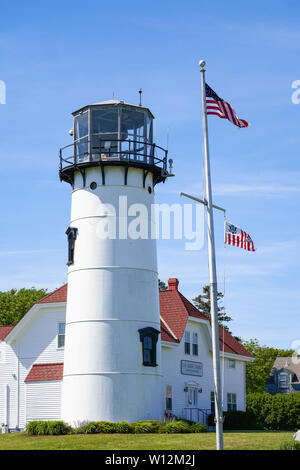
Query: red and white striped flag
[237,237]
[215,105]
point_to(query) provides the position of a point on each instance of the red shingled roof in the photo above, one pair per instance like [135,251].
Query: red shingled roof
[231,345]
[175,309]
[47,371]
[4,330]
[58,295]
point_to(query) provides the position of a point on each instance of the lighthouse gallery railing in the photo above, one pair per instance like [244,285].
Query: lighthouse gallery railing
[84,151]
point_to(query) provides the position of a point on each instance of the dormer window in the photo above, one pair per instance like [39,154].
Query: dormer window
[283,380]
[71,234]
[148,338]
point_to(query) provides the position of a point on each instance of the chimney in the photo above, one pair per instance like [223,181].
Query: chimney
[173,284]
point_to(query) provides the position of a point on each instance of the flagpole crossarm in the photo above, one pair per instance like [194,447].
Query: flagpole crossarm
[204,202]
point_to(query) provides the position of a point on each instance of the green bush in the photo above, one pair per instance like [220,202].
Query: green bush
[290,445]
[32,428]
[90,428]
[175,427]
[143,427]
[124,427]
[56,428]
[237,420]
[42,428]
[106,427]
[199,427]
[275,412]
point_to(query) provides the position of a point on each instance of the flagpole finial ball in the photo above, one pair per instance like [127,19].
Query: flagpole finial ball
[202,63]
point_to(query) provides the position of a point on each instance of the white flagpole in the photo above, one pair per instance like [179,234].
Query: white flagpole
[212,274]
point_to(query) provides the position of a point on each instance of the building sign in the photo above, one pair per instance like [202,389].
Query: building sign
[192,368]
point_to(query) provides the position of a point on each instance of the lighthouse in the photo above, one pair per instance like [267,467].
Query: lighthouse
[112,358]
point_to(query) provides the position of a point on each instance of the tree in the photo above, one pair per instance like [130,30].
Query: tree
[162,285]
[202,302]
[258,371]
[15,303]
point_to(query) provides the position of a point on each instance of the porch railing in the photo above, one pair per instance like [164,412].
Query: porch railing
[198,415]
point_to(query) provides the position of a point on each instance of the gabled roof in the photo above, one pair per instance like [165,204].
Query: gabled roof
[47,371]
[175,310]
[4,330]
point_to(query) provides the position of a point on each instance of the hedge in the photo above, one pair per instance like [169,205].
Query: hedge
[237,420]
[106,427]
[275,412]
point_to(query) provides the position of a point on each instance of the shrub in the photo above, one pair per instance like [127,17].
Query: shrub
[199,427]
[236,420]
[106,427]
[90,428]
[275,412]
[290,445]
[179,427]
[42,428]
[56,428]
[32,428]
[124,427]
[142,427]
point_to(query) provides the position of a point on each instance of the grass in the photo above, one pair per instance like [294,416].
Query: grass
[234,440]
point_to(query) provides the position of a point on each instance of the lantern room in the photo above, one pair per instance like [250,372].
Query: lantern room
[113,133]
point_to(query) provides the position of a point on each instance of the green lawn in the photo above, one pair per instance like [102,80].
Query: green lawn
[238,440]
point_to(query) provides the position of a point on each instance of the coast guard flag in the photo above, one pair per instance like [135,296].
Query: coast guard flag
[215,105]
[237,237]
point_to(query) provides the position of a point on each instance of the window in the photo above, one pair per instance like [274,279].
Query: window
[231,401]
[187,342]
[71,234]
[195,344]
[61,335]
[231,363]
[169,398]
[149,337]
[212,402]
[283,380]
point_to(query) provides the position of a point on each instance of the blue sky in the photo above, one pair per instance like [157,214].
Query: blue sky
[58,56]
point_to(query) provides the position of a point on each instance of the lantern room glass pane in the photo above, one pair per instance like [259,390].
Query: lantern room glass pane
[104,129]
[81,126]
[133,131]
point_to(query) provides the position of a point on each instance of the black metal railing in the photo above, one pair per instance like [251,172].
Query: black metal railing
[89,150]
[198,415]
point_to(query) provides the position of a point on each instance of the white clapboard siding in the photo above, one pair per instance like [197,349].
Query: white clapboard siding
[43,400]
[8,386]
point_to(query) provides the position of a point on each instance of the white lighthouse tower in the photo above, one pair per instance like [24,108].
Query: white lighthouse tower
[112,365]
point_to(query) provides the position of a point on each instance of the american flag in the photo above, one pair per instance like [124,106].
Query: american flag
[237,237]
[215,105]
